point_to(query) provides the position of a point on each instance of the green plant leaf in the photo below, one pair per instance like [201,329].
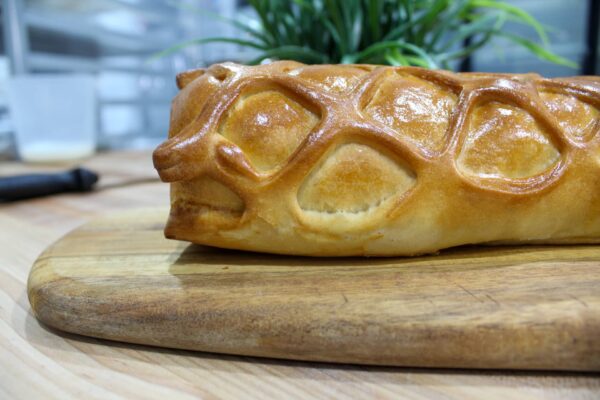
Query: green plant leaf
[336,19]
[481,25]
[301,54]
[539,51]
[465,51]
[236,23]
[374,9]
[520,14]
[383,46]
[178,47]
[427,21]
[452,16]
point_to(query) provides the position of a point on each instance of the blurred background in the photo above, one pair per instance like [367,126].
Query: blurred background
[101,49]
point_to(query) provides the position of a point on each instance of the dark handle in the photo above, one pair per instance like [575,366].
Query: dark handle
[27,186]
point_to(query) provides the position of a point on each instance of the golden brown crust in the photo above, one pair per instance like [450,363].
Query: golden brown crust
[365,160]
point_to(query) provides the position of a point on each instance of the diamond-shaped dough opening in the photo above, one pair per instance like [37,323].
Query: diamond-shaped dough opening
[354,178]
[577,118]
[415,108]
[268,126]
[504,141]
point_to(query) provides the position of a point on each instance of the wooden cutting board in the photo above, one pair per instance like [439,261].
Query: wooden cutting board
[117,278]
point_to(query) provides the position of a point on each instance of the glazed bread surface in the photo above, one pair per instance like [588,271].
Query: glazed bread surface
[340,160]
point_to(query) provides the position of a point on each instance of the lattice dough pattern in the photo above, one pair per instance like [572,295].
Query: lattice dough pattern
[331,152]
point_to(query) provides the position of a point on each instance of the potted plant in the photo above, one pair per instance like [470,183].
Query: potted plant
[424,33]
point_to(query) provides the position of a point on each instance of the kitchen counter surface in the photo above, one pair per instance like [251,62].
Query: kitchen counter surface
[39,362]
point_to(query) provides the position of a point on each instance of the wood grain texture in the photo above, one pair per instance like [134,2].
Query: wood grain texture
[39,362]
[509,307]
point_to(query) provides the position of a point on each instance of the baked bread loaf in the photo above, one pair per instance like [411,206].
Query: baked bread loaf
[340,160]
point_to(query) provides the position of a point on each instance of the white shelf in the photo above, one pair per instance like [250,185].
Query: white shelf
[84,27]
[61,62]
